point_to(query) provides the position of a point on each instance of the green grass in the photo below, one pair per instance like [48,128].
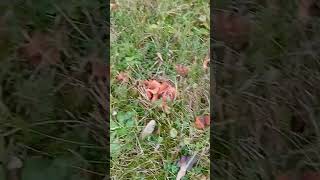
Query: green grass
[179,31]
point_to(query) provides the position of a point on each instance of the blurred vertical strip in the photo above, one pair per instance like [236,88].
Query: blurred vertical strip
[213,77]
[54,89]
[265,98]
[108,114]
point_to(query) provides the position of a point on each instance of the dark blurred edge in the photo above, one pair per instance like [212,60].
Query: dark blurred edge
[286,98]
[101,46]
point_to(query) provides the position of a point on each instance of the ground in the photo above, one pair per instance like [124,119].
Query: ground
[143,33]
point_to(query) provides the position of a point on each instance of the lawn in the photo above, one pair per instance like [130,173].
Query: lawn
[149,39]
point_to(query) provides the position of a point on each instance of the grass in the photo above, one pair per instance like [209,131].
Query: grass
[179,31]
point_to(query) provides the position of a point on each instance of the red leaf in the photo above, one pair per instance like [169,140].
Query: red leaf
[307,8]
[182,70]
[122,77]
[156,90]
[207,120]
[153,86]
[311,175]
[283,177]
[200,123]
[99,69]
[39,49]
[232,29]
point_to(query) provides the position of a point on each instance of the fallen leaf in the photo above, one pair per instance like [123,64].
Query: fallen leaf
[206,62]
[149,95]
[153,87]
[311,175]
[148,129]
[232,29]
[203,177]
[185,164]
[283,177]
[160,90]
[39,49]
[207,120]
[182,70]
[163,87]
[306,175]
[307,9]
[122,77]
[202,121]
[114,6]
[199,123]
[170,93]
[99,69]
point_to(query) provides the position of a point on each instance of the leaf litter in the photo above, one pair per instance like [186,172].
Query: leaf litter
[182,70]
[39,49]
[233,29]
[122,77]
[307,9]
[201,122]
[156,90]
[185,164]
[206,62]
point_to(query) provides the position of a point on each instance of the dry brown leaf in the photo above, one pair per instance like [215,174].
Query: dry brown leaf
[203,177]
[303,11]
[310,175]
[182,70]
[206,62]
[202,121]
[163,87]
[233,29]
[307,9]
[156,90]
[283,177]
[207,120]
[199,123]
[122,77]
[170,93]
[99,69]
[114,6]
[39,49]
[153,86]
[307,175]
